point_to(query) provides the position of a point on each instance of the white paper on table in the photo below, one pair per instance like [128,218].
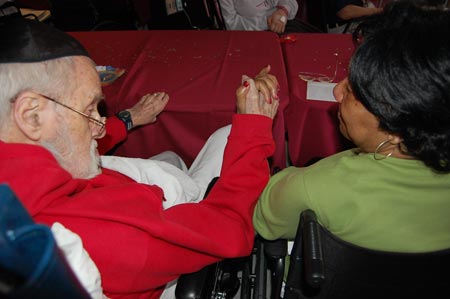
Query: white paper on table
[320,91]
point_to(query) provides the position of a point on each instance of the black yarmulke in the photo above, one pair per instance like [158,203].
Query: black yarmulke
[23,40]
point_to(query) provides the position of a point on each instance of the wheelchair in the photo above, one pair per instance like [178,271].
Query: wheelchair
[323,266]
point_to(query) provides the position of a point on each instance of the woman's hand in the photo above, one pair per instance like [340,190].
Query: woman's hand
[258,95]
[277,21]
[147,109]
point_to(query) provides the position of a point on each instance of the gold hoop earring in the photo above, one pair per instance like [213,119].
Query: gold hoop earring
[383,143]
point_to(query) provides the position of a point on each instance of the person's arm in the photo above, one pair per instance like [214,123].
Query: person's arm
[235,21]
[277,211]
[223,220]
[285,10]
[245,169]
[142,113]
[351,11]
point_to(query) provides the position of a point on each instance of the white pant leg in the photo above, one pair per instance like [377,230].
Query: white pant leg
[169,291]
[178,187]
[168,170]
[208,162]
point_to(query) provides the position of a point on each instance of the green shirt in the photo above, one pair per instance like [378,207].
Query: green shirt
[391,204]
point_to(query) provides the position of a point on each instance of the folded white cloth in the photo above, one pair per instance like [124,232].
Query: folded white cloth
[178,187]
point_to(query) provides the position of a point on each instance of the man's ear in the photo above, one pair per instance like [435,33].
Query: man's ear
[29,114]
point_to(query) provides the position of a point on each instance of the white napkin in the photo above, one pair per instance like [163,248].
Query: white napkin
[320,91]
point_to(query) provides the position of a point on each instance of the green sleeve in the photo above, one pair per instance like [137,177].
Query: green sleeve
[277,211]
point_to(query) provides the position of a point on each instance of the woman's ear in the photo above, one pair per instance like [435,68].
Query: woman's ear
[29,114]
[395,139]
[398,142]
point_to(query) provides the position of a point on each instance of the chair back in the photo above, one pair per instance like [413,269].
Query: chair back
[215,14]
[324,266]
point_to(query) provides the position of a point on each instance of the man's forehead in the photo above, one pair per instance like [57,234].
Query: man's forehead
[24,40]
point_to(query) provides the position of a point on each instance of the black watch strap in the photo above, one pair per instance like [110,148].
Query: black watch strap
[125,116]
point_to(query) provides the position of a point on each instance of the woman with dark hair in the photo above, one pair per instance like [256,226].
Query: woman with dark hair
[392,192]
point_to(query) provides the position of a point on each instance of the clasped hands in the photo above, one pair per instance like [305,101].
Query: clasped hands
[258,95]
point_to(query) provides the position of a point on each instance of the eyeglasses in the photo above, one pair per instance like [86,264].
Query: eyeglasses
[99,123]
[315,77]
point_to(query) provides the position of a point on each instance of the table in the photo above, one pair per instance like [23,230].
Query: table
[200,70]
[312,126]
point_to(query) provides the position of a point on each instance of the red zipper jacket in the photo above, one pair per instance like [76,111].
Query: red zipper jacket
[138,246]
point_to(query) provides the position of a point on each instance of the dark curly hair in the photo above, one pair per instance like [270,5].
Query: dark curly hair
[401,73]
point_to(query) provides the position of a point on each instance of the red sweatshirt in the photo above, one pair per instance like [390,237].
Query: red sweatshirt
[138,246]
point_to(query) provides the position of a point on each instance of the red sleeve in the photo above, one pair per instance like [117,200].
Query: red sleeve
[220,226]
[187,237]
[115,133]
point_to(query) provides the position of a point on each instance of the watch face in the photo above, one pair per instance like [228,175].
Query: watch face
[124,114]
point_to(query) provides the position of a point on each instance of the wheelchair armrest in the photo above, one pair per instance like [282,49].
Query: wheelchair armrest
[275,252]
[275,249]
[306,268]
[193,285]
[312,249]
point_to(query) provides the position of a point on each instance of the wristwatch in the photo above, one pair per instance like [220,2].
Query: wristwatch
[125,116]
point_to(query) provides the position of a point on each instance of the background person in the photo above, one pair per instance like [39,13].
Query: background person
[391,192]
[347,10]
[260,15]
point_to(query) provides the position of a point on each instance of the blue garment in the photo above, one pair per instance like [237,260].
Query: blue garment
[31,264]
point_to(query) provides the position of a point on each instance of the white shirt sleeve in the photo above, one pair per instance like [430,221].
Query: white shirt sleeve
[79,260]
[291,6]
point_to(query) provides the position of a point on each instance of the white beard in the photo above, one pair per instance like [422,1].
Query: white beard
[95,167]
[69,158]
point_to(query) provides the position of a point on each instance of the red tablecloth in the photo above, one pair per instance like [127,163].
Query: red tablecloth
[200,70]
[312,126]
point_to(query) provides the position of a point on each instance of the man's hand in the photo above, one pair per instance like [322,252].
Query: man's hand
[147,109]
[259,95]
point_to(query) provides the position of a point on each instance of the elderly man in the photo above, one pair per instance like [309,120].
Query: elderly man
[49,124]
